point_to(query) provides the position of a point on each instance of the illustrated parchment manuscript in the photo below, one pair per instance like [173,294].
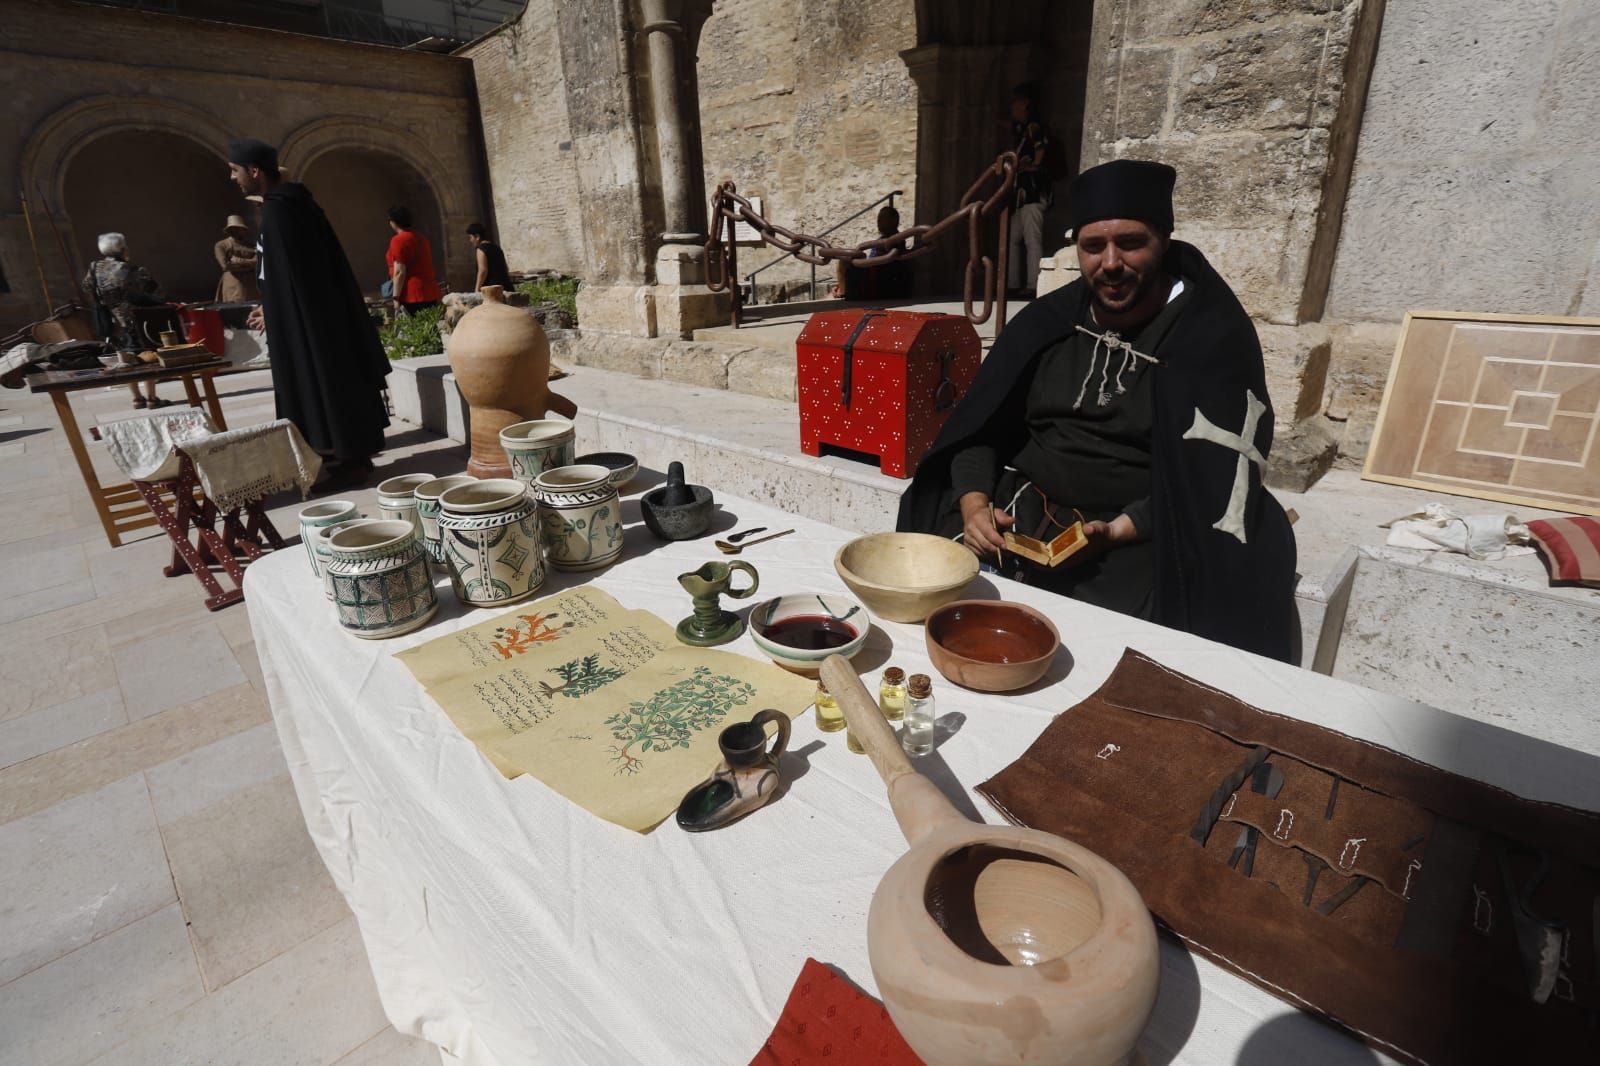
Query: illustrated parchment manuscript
[600,703]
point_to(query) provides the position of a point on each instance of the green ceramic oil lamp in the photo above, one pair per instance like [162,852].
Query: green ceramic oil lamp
[710,624]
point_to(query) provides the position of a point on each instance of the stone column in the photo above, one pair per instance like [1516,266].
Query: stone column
[670,35]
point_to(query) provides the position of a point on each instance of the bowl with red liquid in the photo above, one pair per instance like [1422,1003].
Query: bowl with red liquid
[800,630]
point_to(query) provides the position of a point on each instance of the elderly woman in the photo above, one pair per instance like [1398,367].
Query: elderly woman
[119,287]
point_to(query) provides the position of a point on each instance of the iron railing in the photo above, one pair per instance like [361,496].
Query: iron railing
[750,278]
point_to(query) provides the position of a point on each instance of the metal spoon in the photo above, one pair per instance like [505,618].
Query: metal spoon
[727,548]
[741,535]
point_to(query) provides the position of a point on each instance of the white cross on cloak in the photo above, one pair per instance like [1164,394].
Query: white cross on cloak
[1243,442]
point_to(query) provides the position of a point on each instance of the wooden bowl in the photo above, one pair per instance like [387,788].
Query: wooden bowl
[991,646]
[905,576]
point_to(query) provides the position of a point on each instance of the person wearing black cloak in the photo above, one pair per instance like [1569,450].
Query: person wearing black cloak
[328,366]
[1135,400]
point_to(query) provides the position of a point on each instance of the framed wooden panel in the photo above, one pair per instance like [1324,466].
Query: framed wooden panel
[1497,407]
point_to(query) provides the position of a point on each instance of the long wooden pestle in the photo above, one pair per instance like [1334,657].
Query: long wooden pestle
[994,944]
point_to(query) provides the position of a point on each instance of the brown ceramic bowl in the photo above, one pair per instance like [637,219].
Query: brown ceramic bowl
[991,646]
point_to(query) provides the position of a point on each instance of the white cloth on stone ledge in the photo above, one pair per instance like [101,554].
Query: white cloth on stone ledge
[235,467]
[1480,536]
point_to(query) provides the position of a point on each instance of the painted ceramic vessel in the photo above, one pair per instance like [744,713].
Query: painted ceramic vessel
[624,467]
[491,539]
[501,360]
[381,585]
[747,778]
[428,507]
[397,498]
[319,546]
[536,446]
[326,513]
[800,630]
[581,515]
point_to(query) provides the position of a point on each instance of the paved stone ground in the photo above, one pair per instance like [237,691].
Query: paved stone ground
[160,901]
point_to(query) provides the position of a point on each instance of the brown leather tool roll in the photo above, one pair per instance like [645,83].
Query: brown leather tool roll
[1435,917]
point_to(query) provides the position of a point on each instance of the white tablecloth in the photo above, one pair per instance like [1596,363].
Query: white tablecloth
[508,926]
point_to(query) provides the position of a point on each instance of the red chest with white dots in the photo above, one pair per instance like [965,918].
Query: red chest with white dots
[882,382]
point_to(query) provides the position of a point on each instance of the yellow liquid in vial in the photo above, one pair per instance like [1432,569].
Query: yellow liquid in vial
[830,717]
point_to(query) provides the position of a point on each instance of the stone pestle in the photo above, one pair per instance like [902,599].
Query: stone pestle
[676,494]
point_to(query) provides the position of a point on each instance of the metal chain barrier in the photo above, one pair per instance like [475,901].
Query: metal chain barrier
[729,208]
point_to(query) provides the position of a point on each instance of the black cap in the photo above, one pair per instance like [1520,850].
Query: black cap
[249,152]
[1124,188]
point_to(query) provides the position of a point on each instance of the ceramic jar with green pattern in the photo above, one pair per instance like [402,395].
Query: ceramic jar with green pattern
[381,584]
[581,515]
[428,508]
[490,530]
[536,446]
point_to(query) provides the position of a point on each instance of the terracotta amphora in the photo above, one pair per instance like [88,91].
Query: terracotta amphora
[501,360]
[995,944]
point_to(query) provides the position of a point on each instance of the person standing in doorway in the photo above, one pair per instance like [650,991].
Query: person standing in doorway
[1030,140]
[236,254]
[410,259]
[492,269]
[328,365]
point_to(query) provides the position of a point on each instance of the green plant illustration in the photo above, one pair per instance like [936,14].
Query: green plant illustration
[581,677]
[671,717]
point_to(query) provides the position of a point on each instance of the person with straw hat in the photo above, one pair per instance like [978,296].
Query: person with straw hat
[236,254]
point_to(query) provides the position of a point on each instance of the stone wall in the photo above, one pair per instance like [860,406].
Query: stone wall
[810,107]
[74,73]
[528,142]
[1476,183]
[1240,97]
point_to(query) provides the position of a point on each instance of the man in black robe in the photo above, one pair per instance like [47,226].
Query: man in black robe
[328,366]
[1134,399]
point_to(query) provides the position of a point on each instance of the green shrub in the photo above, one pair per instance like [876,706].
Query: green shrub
[563,292]
[414,335]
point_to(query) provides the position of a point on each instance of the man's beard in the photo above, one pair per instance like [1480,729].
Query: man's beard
[1137,291]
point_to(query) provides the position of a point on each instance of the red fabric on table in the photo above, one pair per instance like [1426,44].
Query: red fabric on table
[1570,548]
[828,1020]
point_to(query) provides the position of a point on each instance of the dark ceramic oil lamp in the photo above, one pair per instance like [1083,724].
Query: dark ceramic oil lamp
[677,511]
[710,624]
[747,777]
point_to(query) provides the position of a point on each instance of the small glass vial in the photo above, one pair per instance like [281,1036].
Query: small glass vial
[917,738]
[892,694]
[830,717]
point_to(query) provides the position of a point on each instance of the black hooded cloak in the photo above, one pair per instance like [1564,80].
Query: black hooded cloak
[328,365]
[1236,587]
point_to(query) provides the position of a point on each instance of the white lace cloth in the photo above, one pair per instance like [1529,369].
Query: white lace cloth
[235,467]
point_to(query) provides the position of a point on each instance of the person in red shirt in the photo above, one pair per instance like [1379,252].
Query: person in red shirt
[410,259]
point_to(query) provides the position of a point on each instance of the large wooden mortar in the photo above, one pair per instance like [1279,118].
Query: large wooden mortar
[997,944]
[501,360]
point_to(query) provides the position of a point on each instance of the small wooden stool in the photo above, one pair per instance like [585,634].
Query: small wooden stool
[192,509]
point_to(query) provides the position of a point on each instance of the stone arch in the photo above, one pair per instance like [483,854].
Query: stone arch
[355,185]
[301,148]
[56,145]
[56,140]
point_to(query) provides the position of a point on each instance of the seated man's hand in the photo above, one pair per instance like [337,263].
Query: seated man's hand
[257,319]
[1103,537]
[981,525]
